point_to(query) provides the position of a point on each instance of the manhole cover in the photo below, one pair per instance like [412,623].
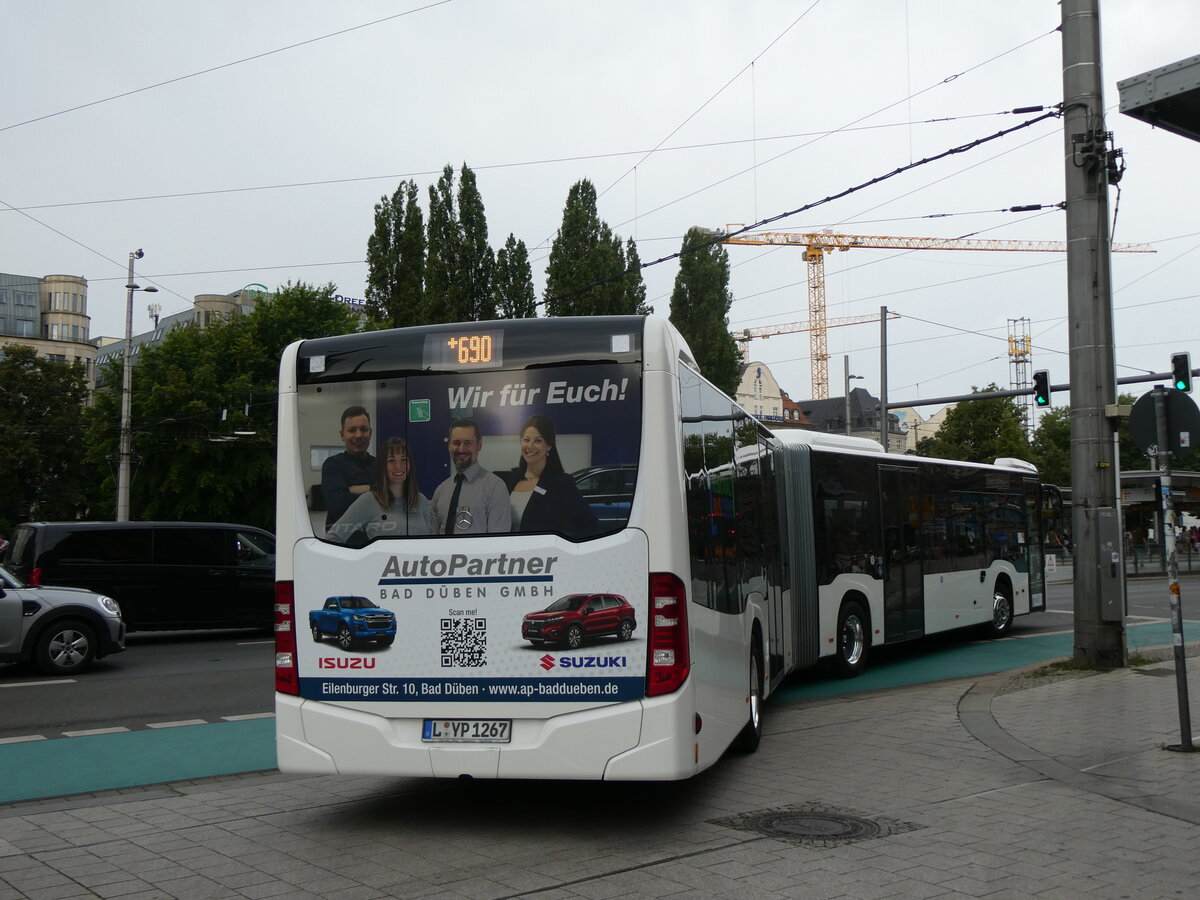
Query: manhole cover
[818,825]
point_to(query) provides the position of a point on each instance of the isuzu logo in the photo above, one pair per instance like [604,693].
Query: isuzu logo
[343,662]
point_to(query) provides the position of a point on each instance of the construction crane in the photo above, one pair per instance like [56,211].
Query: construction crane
[816,245]
[743,336]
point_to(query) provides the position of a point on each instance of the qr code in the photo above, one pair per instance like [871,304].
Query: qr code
[464,643]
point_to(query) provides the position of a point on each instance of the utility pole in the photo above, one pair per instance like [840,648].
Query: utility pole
[1099,631]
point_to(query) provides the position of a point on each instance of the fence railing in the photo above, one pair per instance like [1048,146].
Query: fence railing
[1144,559]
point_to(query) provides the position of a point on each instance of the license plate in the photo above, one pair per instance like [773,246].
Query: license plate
[465,731]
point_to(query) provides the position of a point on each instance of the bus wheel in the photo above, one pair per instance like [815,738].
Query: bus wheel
[573,637]
[1002,613]
[345,639]
[748,738]
[852,640]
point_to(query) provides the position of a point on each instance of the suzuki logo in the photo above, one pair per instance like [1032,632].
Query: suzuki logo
[547,662]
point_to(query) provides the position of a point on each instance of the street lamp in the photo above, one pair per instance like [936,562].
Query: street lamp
[126,449]
[846,368]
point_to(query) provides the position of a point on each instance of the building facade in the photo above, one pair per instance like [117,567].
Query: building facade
[50,315]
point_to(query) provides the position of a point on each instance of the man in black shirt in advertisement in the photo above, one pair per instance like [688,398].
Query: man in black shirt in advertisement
[347,474]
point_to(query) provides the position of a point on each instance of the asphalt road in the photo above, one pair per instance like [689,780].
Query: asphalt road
[162,677]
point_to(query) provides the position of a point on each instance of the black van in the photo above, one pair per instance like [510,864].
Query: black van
[163,574]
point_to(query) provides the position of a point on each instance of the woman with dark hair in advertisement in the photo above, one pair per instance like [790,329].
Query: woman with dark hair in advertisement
[543,495]
[393,506]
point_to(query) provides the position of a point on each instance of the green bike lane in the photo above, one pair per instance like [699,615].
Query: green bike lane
[85,764]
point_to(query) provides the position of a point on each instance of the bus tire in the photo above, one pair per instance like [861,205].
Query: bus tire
[1002,611]
[853,639]
[573,636]
[750,736]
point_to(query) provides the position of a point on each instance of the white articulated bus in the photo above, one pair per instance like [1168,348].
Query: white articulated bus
[636,639]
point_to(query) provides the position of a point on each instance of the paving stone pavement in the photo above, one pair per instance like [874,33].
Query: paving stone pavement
[963,788]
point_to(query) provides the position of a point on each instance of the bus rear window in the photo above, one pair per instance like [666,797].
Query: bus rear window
[549,450]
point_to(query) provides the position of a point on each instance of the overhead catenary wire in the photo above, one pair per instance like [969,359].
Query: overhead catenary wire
[217,68]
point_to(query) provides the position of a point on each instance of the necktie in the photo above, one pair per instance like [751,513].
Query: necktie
[452,512]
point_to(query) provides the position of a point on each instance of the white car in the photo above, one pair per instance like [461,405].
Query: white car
[61,630]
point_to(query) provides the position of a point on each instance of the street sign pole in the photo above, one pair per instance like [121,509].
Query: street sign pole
[1168,536]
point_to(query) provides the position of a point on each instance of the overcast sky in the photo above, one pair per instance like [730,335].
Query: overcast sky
[247,142]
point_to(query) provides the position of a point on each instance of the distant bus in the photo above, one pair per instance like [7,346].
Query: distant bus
[722,558]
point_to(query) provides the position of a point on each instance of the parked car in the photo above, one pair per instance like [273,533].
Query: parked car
[353,620]
[163,574]
[608,490]
[572,619]
[61,630]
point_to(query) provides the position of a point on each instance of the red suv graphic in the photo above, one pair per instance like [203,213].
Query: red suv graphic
[570,620]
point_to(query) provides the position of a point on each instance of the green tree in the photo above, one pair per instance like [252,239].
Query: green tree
[980,431]
[1051,447]
[396,260]
[590,272]
[478,261]
[512,282]
[41,426]
[700,308]
[444,294]
[459,264]
[194,392]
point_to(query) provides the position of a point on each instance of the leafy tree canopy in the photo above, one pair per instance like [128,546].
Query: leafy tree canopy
[700,308]
[41,426]
[396,260]
[590,272]
[980,431]
[192,394]
[512,284]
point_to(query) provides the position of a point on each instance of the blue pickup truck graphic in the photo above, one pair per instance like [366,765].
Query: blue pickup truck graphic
[352,621]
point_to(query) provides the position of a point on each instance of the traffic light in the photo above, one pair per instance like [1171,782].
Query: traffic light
[1181,372]
[1041,387]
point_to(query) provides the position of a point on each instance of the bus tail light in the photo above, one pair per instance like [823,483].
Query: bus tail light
[287,680]
[668,663]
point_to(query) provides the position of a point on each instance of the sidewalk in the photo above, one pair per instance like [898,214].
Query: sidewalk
[1006,786]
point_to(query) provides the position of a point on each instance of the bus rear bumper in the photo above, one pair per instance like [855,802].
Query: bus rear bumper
[628,741]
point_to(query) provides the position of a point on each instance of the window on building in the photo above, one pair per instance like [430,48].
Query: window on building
[23,328]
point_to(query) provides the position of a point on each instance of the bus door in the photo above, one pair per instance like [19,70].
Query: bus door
[903,593]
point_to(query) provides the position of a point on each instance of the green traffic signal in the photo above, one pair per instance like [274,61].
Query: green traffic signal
[1041,387]
[1181,372]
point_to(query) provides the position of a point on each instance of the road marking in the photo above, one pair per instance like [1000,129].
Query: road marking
[266,715]
[25,738]
[39,683]
[176,724]
[90,731]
